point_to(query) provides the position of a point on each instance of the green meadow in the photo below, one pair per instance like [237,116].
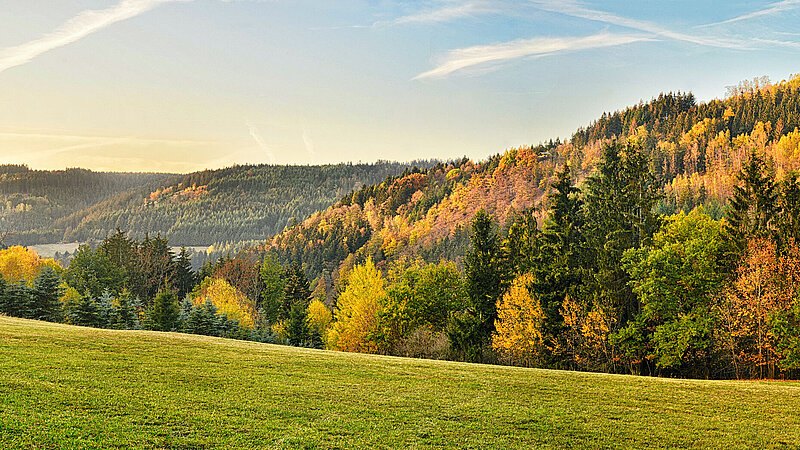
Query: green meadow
[63,386]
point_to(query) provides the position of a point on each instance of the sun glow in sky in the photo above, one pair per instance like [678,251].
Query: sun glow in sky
[182,85]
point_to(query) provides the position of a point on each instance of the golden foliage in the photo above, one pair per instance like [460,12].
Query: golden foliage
[518,335]
[358,308]
[227,299]
[19,263]
[319,318]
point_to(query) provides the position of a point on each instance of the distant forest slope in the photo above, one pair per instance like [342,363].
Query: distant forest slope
[694,149]
[233,204]
[32,201]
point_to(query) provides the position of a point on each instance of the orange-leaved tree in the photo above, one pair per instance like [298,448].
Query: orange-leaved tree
[766,283]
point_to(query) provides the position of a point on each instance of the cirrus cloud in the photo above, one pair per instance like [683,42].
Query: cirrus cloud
[482,55]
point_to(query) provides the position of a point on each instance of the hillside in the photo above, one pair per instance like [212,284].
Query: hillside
[31,201]
[233,204]
[68,387]
[694,149]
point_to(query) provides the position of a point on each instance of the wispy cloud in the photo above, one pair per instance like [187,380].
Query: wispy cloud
[771,9]
[262,144]
[575,9]
[481,55]
[80,26]
[446,13]
[56,143]
[309,145]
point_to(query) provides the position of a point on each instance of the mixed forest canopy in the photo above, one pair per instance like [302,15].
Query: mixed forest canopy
[659,240]
[230,205]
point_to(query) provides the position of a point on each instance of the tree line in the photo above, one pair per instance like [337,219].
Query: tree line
[602,282]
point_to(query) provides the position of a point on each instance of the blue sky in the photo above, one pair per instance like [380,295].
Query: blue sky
[182,85]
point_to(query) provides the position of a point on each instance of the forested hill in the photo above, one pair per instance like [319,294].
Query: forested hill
[233,204]
[695,149]
[31,201]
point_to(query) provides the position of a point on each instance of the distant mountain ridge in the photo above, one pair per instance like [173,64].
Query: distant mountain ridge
[32,201]
[233,204]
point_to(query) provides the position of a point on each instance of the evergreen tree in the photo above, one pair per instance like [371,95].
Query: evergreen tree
[484,270]
[203,320]
[753,208]
[5,304]
[86,312]
[296,292]
[46,294]
[163,315]
[120,251]
[471,330]
[17,301]
[185,277]
[126,315]
[105,303]
[91,273]
[620,198]
[274,287]
[297,331]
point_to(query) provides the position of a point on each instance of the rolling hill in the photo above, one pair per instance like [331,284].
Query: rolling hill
[32,201]
[695,150]
[233,204]
[74,387]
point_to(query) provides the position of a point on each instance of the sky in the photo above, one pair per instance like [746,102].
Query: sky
[184,85]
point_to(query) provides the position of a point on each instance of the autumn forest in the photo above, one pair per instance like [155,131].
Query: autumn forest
[663,240]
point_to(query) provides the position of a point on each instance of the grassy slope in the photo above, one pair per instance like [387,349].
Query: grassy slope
[69,387]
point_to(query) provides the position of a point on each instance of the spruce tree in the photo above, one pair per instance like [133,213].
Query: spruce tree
[753,208]
[471,330]
[185,277]
[46,294]
[296,292]
[203,320]
[86,313]
[297,329]
[5,304]
[483,271]
[163,315]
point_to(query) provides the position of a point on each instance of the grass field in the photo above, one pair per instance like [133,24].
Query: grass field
[71,387]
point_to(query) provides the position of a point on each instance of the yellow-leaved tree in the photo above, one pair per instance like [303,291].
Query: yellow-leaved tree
[518,336]
[357,311]
[19,263]
[319,319]
[227,299]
